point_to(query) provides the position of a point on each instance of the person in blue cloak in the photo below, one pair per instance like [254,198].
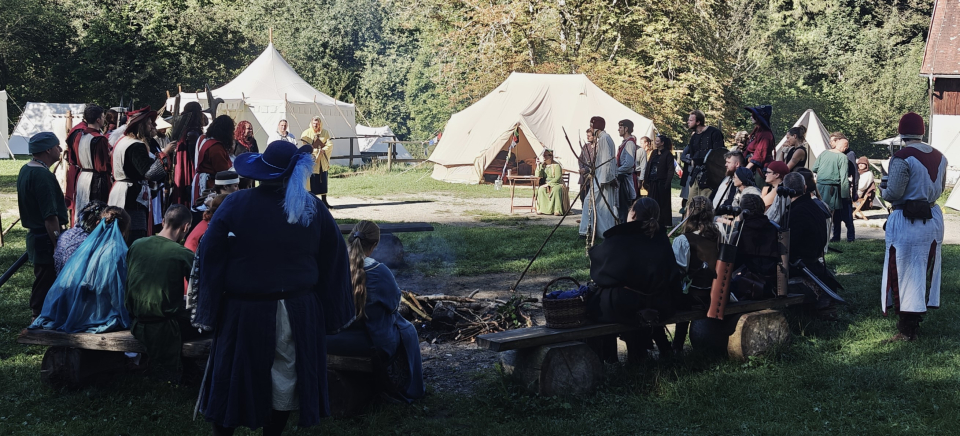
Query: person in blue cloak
[273,281]
[380,331]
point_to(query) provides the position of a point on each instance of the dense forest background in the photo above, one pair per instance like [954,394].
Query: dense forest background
[412,63]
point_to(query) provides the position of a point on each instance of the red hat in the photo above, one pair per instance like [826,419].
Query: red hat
[911,126]
[137,116]
[778,167]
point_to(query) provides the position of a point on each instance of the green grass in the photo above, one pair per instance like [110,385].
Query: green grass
[835,377]
[378,183]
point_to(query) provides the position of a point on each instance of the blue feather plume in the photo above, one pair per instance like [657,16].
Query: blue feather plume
[299,204]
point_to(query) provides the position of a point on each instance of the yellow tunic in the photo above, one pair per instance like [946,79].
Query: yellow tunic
[323,148]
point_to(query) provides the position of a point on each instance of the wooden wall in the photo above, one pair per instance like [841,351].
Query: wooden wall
[946,97]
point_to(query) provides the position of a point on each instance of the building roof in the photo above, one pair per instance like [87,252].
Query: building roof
[942,54]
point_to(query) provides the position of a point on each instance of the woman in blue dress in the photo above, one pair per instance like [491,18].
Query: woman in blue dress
[380,331]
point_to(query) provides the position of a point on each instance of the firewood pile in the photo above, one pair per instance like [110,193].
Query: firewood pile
[441,318]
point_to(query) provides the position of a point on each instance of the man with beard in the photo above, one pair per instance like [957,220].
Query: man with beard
[90,169]
[733,160]
[704,172]
[603,193]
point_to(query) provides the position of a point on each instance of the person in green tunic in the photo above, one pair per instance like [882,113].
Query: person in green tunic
[552,198]
[156,269]
[832,182]
[43,213]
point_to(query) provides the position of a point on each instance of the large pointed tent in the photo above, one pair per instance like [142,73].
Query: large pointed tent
[269,90]
[535,107]
[817,136]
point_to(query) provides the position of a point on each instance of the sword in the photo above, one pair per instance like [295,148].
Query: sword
[803,267]
[13,269]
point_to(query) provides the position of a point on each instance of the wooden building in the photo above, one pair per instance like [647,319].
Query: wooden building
[941,66]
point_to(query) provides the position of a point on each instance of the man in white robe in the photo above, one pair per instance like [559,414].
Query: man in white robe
[914,229]
[603,193]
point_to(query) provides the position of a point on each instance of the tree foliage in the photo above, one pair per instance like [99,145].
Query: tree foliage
[412,63]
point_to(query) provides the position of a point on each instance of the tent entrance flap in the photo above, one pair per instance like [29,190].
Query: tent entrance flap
[521,161]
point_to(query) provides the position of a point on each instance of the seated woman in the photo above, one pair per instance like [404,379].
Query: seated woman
[696,251]
[773,203]
[758,252]
[67,243]
[88,294]
[379,329]
[552,197]
[866,190]
[638,282]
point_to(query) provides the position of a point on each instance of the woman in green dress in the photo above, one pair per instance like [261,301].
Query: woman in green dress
[552,198]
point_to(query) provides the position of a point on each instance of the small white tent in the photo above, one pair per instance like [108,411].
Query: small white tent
[269,90]
[4,146]
[374,140]
[538,105]
[43,117]
[817,135]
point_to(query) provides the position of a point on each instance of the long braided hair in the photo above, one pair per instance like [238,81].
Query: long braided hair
[364,236]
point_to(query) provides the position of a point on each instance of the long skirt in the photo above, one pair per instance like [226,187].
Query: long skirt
[911,248]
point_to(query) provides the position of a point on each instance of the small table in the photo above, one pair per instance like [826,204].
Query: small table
[533,182]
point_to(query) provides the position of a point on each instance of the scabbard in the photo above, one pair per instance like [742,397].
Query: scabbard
[720,291]
[783,268]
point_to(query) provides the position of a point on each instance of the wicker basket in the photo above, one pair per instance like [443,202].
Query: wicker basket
[567,313]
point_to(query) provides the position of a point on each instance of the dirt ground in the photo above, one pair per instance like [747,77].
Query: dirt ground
[453,367]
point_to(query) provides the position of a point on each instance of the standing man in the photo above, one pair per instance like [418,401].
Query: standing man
[914,229]
[645,147]
[841,144]
[43,212]
[603,187]
[90,170]
[282,134]
[626,169]
[832,169]
[156,269]
[703,180]
[319,138]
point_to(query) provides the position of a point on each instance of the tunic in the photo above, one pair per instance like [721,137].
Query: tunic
[917,172]
[658,180]
[383,329]
[602,195]
[90,171]
[321,155]
[831,169]
[156,269]
[131,162]
[557,199]
[239,293]
[211,158]
[38,197]
[184,168]
[758,150]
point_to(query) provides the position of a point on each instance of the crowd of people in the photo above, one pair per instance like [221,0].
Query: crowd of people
[169,239]
[748,196]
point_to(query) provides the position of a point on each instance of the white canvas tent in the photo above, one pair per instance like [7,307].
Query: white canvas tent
[817,135]
[539,105]
[4,146]
[43,117]
[374,140]
[269,90]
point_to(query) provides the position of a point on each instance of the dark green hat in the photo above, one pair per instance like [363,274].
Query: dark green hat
[42,142]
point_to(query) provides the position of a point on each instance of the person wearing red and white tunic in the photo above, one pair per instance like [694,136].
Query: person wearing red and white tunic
[89,175]
[212,156]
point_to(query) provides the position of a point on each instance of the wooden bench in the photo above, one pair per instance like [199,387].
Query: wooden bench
[75,360]
[390,250]
[556,361]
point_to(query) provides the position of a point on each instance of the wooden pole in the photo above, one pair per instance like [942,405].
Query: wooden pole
[390,150]
[351,151]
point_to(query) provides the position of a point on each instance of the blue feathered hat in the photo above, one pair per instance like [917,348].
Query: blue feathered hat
[283,160]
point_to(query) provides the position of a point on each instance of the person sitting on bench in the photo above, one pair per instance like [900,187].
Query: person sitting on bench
[156,268]
[379,329]
[638,282]
[88,294]
[696,251]
[866,189]
[87,220]
[808,236]
[758,252]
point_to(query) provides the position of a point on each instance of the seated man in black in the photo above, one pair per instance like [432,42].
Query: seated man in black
[757,252]
[808,237]
[638,282]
